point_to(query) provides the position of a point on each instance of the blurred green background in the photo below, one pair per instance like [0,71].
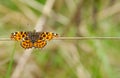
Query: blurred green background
[63,58]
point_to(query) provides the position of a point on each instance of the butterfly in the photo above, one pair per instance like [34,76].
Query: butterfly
[33,39]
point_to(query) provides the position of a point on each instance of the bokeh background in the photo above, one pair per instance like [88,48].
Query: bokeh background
[63,58]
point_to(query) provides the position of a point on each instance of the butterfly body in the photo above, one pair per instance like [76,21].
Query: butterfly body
[33,36]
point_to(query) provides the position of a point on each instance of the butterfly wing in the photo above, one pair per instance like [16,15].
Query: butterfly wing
[17,36]
[40,43]
[26,43]
[48,35]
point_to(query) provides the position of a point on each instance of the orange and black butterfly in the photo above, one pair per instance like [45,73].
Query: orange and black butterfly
[33,39]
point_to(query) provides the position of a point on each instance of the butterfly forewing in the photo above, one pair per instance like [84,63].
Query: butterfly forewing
[48,35]
[18,35]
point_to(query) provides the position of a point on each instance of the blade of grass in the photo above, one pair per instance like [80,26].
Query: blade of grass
[11,63]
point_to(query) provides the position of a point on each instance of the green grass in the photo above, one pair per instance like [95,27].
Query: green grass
[10,65]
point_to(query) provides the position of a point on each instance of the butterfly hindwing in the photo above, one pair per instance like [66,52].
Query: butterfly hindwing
[26,43]
[40,43]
